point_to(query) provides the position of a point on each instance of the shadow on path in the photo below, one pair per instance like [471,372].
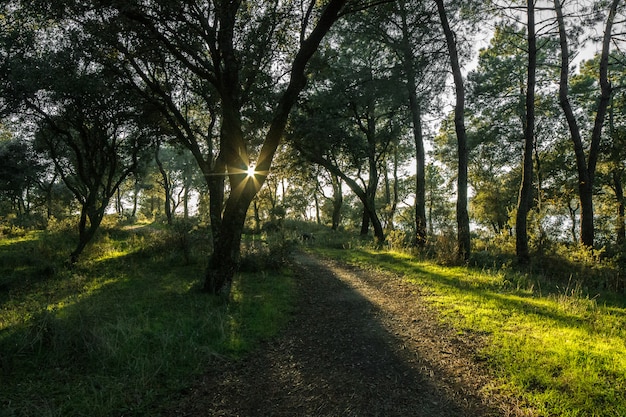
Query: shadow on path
[343,354]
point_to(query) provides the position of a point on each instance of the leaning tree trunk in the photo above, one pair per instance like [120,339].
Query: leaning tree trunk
[462,215]
[525,198]
[224,260]
[86,233]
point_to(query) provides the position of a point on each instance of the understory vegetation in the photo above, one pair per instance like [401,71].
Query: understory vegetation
[127,329]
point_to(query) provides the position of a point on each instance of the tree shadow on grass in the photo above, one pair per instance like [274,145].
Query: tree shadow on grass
[336,358]
[106,338]
[505,299]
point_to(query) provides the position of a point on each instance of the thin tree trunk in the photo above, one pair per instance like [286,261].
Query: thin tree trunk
[257,217]
[420,172]
[462,215]
[318,217]
[394,200]
[620,229]
[525,198]
[186,186]
[573,216]
[337,201]
[167,186]
[419,239]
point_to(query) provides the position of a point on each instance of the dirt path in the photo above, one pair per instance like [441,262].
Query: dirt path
[361,344]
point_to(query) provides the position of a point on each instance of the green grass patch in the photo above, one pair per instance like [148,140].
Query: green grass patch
[124,331]
[563,353]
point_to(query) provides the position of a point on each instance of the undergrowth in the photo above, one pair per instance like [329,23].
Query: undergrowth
[127,329]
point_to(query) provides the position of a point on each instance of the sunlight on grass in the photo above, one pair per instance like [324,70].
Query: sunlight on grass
[13,240]
[126,329]
[562,353]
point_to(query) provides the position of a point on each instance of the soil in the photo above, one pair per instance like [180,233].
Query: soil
[361,343]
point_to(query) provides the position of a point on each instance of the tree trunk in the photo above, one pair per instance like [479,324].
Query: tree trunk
[586,168]
[419,239]
[136,190]
[224,261]
[525,198]
[186,186]
[318,217]
[257,217]
[167,186]
[394,200]
[365,222]
[620,229]
[462,215]
[86,233]
[573,216]
[337,201]
[379,233]
[119,208]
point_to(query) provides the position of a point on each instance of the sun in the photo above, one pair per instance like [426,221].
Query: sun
[250,171]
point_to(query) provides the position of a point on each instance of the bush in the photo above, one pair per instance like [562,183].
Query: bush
[269,254]
[398,239]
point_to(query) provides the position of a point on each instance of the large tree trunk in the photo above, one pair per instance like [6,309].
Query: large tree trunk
[224,261]
[86,232]
[525,199]
[462,215]
[365,222]
[586,168]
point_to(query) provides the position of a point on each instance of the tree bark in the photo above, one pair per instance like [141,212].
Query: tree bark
[585,167]
[620,229]
[167,186]
[365,222]
[525,198]
[224,261]
[337,201]
[86,232]
[419,239]
[462,215]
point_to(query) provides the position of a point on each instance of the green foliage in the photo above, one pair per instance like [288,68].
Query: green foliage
[127,328]
[555,347]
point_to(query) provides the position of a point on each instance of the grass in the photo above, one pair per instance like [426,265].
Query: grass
[127,329]
[561,352]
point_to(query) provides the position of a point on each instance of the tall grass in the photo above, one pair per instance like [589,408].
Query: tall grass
[558,348]
[127,329]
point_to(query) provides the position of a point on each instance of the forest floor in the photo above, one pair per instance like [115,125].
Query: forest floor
[360,343]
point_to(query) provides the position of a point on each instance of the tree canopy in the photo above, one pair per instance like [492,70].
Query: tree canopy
[387,100]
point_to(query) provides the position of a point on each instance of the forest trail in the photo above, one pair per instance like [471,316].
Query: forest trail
[361,343]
